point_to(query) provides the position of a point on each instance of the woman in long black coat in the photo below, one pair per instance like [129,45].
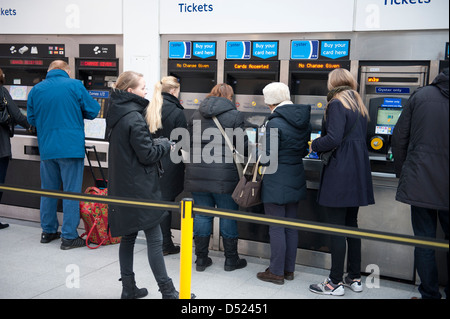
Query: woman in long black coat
[163,115]
[133,173]
[346,182]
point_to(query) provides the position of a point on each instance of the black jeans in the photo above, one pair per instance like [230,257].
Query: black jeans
[424,223]
[154,253]
[344,216]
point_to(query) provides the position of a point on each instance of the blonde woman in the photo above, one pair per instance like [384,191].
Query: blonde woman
[133,173]
[164,114]
[346,182]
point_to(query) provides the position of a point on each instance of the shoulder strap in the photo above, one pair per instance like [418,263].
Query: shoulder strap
[230,145]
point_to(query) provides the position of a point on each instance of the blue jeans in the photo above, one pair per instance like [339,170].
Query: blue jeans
[424,223]
[69,172]
[203,224]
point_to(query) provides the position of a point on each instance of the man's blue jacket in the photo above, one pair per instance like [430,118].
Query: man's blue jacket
[57,108]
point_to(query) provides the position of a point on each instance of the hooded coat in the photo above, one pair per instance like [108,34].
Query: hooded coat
[288,183]
[132,164]
[219,176]
[420,145]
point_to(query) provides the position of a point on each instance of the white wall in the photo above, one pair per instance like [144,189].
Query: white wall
[141,41]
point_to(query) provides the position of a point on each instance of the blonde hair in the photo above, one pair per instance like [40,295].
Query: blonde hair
[153,114]
[127,80]
[349,98]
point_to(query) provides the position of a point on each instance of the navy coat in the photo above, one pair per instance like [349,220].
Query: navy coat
[288,183]
[346,181]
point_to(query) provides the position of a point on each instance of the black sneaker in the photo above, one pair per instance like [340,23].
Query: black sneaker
[48,237]
[72,243]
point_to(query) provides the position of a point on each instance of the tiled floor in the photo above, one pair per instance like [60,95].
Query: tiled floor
[29,269]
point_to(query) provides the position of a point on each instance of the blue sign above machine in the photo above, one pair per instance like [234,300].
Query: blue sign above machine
[180,50]
[320,49]
[392,102]
[192,50]
[252,50]
[99,94]
[392,90]
[204,50]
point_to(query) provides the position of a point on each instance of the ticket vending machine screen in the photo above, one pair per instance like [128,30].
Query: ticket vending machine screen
[387,117]
[384,113]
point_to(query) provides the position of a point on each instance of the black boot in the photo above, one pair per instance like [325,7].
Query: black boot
[232,260]
[201,251]
[129,289]
[168,247]
[168,291]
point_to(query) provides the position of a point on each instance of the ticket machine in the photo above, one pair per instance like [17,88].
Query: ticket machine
[248,68]
[309,65]
[194,64]
[98,69]
[25,65]
[385,89]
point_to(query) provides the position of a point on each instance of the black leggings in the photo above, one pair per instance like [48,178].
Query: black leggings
[344,216]
[154,253]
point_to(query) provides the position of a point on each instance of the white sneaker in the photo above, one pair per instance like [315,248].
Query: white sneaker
[328,288]
[353,284]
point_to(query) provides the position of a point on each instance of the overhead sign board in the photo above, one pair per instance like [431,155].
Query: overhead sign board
[320,49]
[251,50]
[192,50]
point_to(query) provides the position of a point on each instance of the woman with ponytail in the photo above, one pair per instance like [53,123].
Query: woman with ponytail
[164,114]
[346,182]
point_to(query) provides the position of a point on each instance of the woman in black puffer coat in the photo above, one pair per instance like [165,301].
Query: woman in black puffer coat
[163,115]
[133,173]
[213,182]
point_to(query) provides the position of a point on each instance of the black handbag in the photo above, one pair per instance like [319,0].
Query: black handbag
[248,191]
[326,156]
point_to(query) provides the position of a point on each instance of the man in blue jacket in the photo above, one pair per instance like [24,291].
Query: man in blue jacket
[57,108]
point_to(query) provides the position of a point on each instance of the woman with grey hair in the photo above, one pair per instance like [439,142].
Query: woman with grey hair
[283,189]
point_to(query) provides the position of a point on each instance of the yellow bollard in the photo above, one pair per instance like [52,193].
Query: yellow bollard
[187,232]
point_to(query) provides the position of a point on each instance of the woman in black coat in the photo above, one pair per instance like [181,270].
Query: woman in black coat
[133,173]
[212,177]
[163,115]
[346,182]
[5,143]
[284,188]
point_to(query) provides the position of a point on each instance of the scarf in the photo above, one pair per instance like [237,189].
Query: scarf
[337,90]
